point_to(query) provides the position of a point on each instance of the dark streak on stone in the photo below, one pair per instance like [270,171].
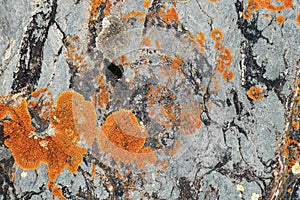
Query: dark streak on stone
[238,105]
[138,103]
[212,193]
[40,124]
[110,173]
[31,51]
[29,194]
[7,186]
[1,135]
[254,73]
[94,25]
[186,191]
[249,28]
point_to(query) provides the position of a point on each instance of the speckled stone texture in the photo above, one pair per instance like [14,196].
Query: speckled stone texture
[149,99]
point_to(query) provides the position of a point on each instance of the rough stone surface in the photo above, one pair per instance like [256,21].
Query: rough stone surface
[219,118]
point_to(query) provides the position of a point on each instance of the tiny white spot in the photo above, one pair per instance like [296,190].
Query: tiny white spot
[239,187]
[23,174]
[296,168]
[255,196]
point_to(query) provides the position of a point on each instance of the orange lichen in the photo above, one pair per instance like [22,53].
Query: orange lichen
[58,151]
[216,35]
[147,3]
[73,56]
[124,138]
[41,102]
[254,5]
[267,15]
[291,152]
[226,57]
[146,155]
[93,172]
[190,118]
[227,75]
[255,93]
[176,62]
[295,124]
[170,16]
[280,19]
[199,40]
[298,18]
[73,113]
[134,15]
[267,4]
[146,41]
[123,130]
[103,96]
[56,191]
[216,84]
[176,147]
[95,5]
[169,111]
[39,91]
[220,66]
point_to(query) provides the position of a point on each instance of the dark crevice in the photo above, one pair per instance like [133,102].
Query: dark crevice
[28,70]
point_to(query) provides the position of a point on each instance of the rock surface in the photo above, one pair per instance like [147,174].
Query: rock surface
[149,99]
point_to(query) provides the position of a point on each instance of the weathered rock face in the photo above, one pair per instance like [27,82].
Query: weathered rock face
[105,99]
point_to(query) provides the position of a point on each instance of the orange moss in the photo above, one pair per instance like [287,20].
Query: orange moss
[280,19]
[228,75]
[298,18]
[124,138]
[170,16]
[146,40]
[58,151]
[255,93]
[73,113]
[216,35]
[147,3]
